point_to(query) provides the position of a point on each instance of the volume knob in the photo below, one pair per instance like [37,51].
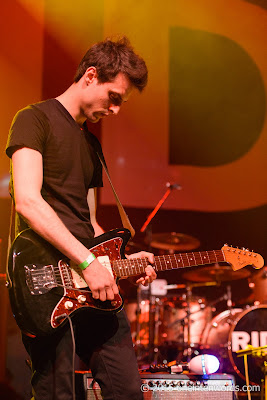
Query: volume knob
[68,305]
[81,299]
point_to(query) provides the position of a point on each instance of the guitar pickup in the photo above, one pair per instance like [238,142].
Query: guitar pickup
[40,279]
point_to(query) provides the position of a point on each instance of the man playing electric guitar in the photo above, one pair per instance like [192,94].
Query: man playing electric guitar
[55,173]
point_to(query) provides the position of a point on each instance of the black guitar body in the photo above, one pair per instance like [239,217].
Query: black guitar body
[45,288]
[40,281]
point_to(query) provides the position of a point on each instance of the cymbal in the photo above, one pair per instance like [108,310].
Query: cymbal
[218,273]
[174,241]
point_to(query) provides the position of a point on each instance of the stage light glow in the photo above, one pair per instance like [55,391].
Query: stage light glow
[204,364]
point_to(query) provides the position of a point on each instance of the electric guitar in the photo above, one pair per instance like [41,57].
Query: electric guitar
[45,288]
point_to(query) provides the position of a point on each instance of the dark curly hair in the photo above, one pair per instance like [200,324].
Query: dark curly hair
[112,57]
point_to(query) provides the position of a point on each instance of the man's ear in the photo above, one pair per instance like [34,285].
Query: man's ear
[90,75]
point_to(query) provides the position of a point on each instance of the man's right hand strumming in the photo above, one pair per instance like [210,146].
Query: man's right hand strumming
[100,281]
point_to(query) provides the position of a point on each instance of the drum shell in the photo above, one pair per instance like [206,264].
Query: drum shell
[233,330]
[175,328]
[170,317]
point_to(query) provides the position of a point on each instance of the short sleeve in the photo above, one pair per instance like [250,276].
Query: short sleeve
[29,128]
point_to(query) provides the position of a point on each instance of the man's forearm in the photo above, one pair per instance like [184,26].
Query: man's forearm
[43,220]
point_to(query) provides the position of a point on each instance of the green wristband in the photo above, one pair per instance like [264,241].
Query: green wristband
[88,261]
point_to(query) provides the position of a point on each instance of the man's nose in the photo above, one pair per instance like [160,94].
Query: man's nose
[114,109]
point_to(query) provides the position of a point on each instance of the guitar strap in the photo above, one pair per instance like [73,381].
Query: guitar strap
[11,237]
[124,217]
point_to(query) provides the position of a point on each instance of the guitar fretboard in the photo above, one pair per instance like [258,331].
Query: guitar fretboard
[136,266]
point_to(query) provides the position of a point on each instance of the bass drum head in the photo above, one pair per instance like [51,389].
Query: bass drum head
[249,328]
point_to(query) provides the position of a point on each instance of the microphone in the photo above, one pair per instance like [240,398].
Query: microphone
[173,186]
[204,364]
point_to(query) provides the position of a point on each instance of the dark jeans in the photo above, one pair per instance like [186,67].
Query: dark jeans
[104,344]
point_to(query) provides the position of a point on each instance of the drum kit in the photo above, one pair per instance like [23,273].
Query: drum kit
[177,321]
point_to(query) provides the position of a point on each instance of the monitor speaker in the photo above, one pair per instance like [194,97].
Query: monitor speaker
[168,387]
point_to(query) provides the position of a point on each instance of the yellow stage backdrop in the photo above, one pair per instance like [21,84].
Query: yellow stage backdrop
[202,119]
[201,122]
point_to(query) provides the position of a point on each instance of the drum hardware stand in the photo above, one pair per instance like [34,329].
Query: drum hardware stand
[229,298]
[264,384]
[151,324]
[138,312]
[188,321]
[147,227]
[255,352]
[157,288]
[202,307]
[157,323]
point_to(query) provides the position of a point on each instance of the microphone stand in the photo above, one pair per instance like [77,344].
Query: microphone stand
[255,352]
[160,203]
[148,228]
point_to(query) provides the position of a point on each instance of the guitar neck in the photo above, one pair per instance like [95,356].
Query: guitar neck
[137,266]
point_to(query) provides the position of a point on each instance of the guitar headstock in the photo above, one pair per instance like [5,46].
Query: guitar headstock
[240,258]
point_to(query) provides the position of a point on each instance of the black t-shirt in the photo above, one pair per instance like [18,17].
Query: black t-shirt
[70,163]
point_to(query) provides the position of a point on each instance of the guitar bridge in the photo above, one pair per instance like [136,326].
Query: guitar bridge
[40,279]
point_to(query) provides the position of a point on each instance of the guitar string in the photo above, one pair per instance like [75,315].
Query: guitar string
[121,270]
[70,288]
[120,265]
[141,263]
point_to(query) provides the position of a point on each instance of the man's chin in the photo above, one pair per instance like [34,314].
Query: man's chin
[94,119]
